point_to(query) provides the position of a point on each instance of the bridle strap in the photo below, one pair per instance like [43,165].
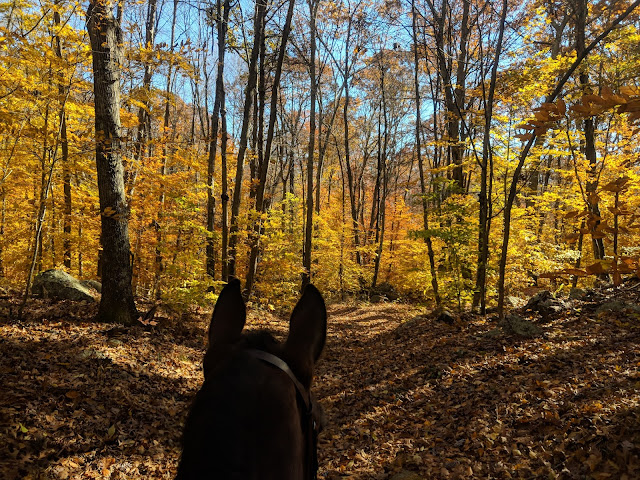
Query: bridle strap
[282,365]
[310,428]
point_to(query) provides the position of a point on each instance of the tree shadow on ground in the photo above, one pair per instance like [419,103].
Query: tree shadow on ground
[456,399]
[67,395]
[402,394]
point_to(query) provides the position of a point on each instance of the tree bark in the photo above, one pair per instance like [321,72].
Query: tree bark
[159,260]
[423,188]
[144,117]
[259,20]
[222,20]
[382,173]
[64,147]
[589,146]
[486,179]
[224,182]
[263,167]
[454,90]
[525,152]
[308,231]
[347,152]
[117,304]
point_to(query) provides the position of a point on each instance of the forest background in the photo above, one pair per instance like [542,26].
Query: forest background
[455,151]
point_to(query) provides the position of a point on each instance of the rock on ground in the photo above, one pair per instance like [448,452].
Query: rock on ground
[97,286]
[59,285]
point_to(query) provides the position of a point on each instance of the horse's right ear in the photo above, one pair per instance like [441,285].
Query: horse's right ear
[228,316]
[307,334]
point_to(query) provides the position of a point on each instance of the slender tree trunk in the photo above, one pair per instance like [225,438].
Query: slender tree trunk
[319,164]
[117,303]
[80,258]
[347,151]
[144,117]
[46,187]
[242,149]
[3,219]
[308,231]
[256,164]
[222,20]
[80,238]
[454,90]
[589,146]
[322,147]
[423,188]
[224,196]
[159,260]
[64,146]
[525,152]
[486,176]
[264,165]
[374,220]
[382,165]
[534,178]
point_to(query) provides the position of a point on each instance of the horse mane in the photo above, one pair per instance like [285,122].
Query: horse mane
[261,340]
[217,356]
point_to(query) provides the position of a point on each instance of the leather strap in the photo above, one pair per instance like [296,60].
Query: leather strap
[310,428]
[282,365]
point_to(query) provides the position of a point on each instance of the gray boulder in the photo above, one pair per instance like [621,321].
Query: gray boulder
[386,290]
[516,302]
[445,316]
[59,285]
[96,285]
[546,304]
[515,325]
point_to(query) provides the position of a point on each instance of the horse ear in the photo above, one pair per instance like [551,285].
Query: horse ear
[307,332]
[228,316]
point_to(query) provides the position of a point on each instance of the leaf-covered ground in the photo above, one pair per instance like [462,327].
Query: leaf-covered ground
[406,397]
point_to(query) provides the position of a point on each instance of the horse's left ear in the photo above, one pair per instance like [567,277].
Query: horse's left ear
[307,333]
[228,316]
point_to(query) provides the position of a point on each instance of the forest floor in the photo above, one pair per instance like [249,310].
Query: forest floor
[406,397]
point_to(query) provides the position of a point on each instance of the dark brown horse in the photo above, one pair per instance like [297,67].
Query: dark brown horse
[254,417]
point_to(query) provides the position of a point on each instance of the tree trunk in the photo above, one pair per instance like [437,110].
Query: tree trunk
[263,167]
[323,144]
[242,149]
[423,188]
[382,167]
[525,152]
[42,208]
[454,90]
[308,231]
[3,219]
[64,146]
[256,165]
[224,196]
[159,260]
[144,117]
[222,20]
[486,179]
[347,152]
[589,146]
[117,304]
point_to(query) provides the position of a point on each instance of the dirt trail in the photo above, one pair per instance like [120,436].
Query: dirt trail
[413,398]
[405,396]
